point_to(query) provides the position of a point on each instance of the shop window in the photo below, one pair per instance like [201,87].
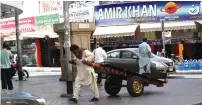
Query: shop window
[113,55]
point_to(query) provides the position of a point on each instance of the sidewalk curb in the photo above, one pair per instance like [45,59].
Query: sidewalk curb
[58,69]
[189,72]
[42,69]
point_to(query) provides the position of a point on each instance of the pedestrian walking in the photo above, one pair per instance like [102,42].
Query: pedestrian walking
[6,71]
[100,55]
[144,57]
[85,74]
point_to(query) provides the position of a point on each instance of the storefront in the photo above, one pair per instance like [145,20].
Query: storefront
[117,23]
[33,31]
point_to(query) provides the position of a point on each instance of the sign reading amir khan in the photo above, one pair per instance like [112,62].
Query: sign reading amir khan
[142,12]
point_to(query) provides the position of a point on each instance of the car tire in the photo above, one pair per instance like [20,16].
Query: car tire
[135,86]
[113,85]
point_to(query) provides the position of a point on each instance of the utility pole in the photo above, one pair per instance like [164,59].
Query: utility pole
[67,43]
[19,53]
[163,36]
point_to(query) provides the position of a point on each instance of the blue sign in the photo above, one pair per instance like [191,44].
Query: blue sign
[143,12]
[112,2]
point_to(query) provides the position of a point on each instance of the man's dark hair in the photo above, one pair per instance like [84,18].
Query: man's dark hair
[101,44]
[145,40]
[74,47]
[5,45]
[9,48]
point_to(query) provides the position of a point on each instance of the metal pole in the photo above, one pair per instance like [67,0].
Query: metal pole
[68,67]
[163,36]
[19,53]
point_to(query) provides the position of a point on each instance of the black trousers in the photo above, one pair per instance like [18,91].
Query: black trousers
[6,75]
[99,79]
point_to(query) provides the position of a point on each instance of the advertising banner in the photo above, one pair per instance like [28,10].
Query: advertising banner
[113,2]
[45,20]
[50,6]
[26,25]
[80,14]
[143,12]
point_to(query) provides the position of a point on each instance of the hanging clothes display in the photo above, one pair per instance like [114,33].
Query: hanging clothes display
[172,49]
[168,50]
[152,48]
[177,49]
[155,49]
[181,50]
[193,51]
[187,50]
[160,47]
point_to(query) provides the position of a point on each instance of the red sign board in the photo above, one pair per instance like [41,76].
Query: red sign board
[26,25]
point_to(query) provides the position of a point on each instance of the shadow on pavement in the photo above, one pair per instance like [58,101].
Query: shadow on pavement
[113,97]
[198,103]
[175,77]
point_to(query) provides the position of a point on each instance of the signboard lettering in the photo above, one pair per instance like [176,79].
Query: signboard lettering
[142,12]
[26,25]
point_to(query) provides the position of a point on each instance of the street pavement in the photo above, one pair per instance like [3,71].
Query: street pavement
[171,75]
[180,90]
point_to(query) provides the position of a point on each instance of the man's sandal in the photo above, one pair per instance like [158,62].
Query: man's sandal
[94,99]
[73,100]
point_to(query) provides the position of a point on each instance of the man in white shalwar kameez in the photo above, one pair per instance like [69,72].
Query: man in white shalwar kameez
[144,57]
[85,74]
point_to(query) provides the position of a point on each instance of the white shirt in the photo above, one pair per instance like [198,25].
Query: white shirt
[99,55]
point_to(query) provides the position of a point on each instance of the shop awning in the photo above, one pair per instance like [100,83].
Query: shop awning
[178,25]
[31,35]
[200,21]
[114,31]
[128,30]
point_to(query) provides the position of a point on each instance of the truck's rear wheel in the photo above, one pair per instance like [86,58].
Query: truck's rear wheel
[135,86]
[113,85]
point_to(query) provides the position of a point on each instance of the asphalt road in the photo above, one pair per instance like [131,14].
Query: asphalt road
[178,91]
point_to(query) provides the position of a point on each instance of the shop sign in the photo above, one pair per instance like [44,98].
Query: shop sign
[143,12]
[50,6]
[46,20]
[80,14]
[25,25]
[113,2]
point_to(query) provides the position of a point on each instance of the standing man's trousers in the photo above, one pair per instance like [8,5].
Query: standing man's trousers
[6,82]
[145,69]
[93,87]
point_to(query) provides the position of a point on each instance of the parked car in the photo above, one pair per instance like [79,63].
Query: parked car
[9,97]
[127,58]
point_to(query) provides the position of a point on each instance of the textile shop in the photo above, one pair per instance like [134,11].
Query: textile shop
[128,27]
